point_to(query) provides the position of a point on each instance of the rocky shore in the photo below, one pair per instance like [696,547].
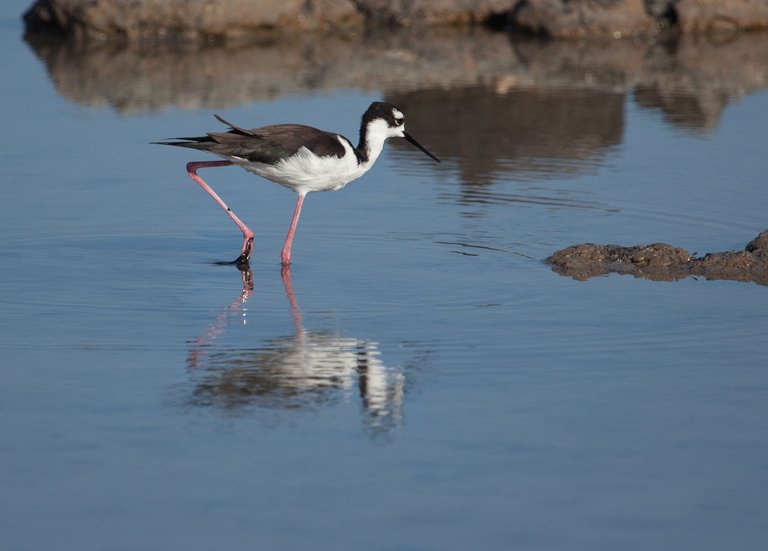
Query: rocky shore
[153,20]
[663,262]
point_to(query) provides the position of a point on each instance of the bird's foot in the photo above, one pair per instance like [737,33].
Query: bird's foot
[245,253]
[242,261]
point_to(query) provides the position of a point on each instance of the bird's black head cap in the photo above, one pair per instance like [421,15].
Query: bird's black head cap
[383,110]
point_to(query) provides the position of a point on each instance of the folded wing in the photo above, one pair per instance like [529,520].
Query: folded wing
[269,144]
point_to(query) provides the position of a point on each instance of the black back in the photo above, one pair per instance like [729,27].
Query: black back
[269,144]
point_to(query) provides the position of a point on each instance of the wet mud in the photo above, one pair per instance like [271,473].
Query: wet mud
[663,262]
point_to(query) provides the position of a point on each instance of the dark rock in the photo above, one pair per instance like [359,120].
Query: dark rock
[172,19]
[164,19]
[142,20]
[433,12]
[619,18]
[721,15]
[663,262]
[581,18]
[759,245]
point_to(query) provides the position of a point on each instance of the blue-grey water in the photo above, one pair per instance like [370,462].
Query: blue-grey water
[421,379]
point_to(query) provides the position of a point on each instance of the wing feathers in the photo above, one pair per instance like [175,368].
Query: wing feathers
[233,127]
[269,144]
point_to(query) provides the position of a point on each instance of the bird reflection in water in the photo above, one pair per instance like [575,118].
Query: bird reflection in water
[293,371]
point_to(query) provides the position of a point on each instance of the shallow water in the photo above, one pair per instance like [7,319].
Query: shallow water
[420,379]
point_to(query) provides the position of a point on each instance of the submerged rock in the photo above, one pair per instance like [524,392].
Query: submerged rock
[663,262]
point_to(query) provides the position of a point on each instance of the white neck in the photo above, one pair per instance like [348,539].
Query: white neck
[372,142]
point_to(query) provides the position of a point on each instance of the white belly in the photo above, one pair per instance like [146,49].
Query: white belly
[305,172]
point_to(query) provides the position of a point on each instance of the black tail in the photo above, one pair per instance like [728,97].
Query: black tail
[196,142]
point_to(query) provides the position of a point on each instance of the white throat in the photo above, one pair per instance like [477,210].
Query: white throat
[376,133]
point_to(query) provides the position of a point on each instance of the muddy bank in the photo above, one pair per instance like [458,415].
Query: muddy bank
[161,19]
[663,262]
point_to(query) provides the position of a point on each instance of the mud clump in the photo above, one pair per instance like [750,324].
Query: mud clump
[663,262]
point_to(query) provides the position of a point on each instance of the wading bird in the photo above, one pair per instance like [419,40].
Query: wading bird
[298,157]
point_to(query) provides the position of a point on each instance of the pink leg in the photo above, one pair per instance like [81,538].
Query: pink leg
[286,254]
[245,253]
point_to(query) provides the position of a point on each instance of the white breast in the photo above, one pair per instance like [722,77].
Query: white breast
[305,172]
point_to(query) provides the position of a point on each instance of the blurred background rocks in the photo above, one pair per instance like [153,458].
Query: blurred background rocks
[138,20]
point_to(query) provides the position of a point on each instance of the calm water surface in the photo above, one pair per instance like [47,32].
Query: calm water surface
[420,379]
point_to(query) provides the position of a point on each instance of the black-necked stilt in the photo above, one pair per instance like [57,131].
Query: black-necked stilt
[298,157]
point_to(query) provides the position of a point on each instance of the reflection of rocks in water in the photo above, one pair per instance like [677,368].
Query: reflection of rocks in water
[296,371]
[521,131]
[691,81]
[525,107]
[663,262]
[135,78]
[682,109]
[689,78]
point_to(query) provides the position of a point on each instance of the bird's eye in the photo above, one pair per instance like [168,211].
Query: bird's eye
[399,122]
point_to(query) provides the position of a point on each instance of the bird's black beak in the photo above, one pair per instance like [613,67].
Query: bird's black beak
[409,138]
